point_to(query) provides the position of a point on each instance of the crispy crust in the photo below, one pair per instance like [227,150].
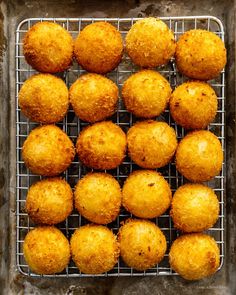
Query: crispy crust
[151,144]
[200,54]
[193,105]
[150,43]
[146,194]
[48,47]
[101,146]
[44,98]
[48,150]
[49,201]
[46,250]
[99,48]
[98,197]
[142,244]
[194,208]
[93,97]
[199,156]
[194,256]
[94,249]
[146,94]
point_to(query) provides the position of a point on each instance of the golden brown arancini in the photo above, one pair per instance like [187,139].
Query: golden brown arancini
[194,208]
[146,94]
[194,256]
[142,244]
[200,54]
[151,144]
[150,43]
[199,156]
[44,98]
[193,105]
[98,197]
[102,146]
[99,47]
[93,97]
[146,194]
[48,150]
[46,250]
[49,201]
[94,249]
[48,47]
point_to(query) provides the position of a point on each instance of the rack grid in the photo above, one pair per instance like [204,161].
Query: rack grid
[72,126]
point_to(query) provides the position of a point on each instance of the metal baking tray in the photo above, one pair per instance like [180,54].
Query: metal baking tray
[72,126]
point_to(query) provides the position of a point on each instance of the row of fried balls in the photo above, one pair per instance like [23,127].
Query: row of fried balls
[48,151]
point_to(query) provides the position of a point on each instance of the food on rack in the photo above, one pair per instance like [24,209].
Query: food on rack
[44,98]
[94,249]
[46,250]
[48,47]
[49,201]
[99,48]
[200,54]
[151,144]
[98,197]
[48,150]
[150,43]
[194,208]
[93,97]
[101,146]
[193,105]
[194,256]
[142,244]
[146,194]
[146,94]
[199,156]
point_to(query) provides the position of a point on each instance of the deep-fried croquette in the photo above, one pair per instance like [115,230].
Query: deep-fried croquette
[150,43]
[44,98]
[48,47]
[99,48]
[93,97]
[94,249]
[194,256]
[151,144]
[199,156]
[48,150]
[146,94]
[102,146]
[146,194]
[46,250]
[98,197]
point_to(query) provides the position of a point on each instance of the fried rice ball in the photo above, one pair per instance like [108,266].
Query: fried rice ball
[46,250]
[101,146]
[44,98]
[98,197]
[194,208]
[48,150]
[93,97]
[146,94]
[49,201]
[194,256]
[146,194]
[193,105]
[99,48]
[151,144]
[200,54]
[142,244]
[48,47]
[150,43]
[199,156]
[94,249]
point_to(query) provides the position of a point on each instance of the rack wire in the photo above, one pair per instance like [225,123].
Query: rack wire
[72,126]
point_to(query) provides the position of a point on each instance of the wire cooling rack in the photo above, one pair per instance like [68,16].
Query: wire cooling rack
[72,126]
